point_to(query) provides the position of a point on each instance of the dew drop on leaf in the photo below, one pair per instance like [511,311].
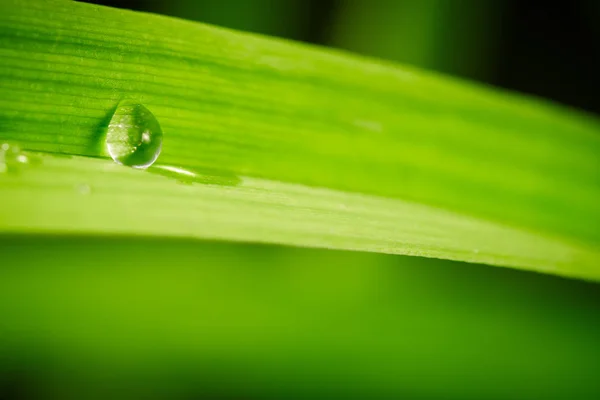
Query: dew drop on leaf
[134,137]
[12,159]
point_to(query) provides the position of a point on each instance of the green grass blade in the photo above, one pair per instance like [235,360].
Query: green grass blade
[82,195]
[517,177]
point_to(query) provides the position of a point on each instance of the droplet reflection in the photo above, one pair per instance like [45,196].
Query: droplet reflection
[134,137]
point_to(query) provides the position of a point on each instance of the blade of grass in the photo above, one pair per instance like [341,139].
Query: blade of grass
[84,195]
[520,169]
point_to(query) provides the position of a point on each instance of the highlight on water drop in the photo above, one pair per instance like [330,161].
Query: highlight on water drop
[134,137]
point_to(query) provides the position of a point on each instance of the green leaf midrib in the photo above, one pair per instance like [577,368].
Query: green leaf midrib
[443,142]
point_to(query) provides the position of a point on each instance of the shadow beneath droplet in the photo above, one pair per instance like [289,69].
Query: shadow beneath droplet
[207,176]
[95,146]
[58,155]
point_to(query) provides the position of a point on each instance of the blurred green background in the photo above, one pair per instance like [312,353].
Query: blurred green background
[136,318]
[545,48]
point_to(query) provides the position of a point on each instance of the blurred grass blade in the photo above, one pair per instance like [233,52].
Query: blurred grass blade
[168,318]
[334,150]
[440,35]
[271,17]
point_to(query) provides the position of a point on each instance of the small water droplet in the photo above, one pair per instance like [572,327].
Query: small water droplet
[12,159]
[134,137]
[83,189]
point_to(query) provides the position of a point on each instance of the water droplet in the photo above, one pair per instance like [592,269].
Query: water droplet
[12,159]
[198,175]
[133,137]
[83,189]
